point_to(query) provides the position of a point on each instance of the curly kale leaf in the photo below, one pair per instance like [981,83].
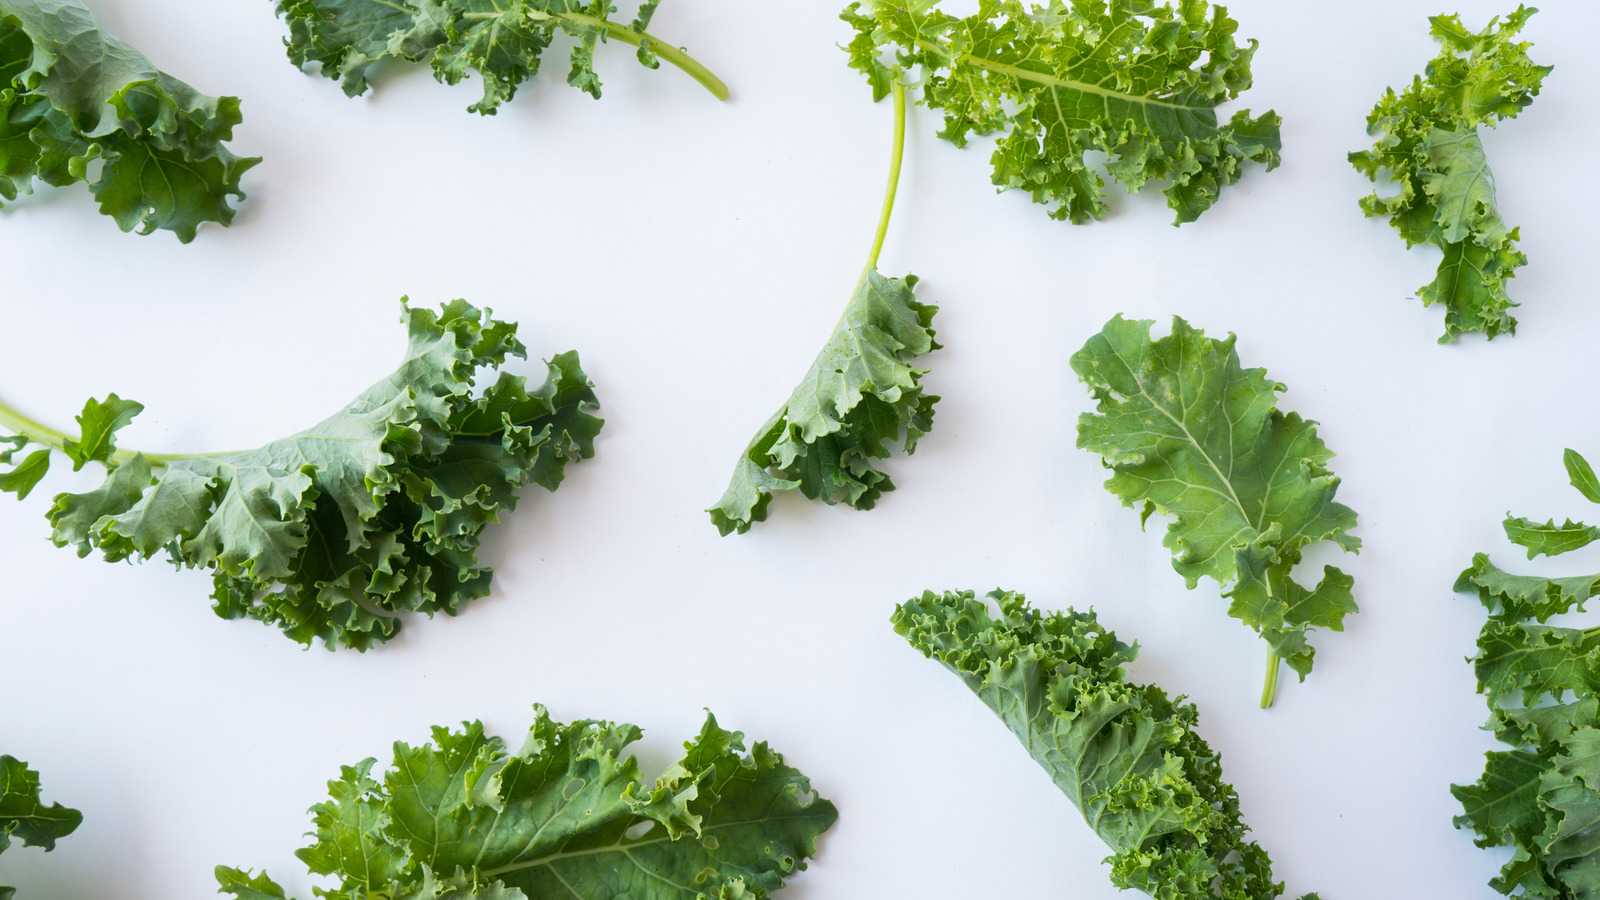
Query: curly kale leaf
[1189,433]
[1428,144]
[1542,684]
[71,94]
[1126,755]
[501,41]
[335,532]
[567,815]
[859,398]
[1133,80]
[24,815]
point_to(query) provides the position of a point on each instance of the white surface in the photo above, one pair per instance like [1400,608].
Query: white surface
[697,255]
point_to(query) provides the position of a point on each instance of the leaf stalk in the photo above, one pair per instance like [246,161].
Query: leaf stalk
[15,422]
[12,420]
[669,52]
[1269,691]
[896,156]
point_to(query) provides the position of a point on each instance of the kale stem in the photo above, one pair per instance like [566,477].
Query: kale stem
[1269,691]
[666,51]
[14,421]
[39,433]
[895,157]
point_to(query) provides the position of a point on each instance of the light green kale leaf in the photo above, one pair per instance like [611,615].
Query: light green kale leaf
[71,94]
[1549,539]
[24,815]
[1189,433]
[1126,755]
[568,815]
[501,41]
[1518,597]
[1429,146]
[1137,81]
[333,533]
[861,396]
[1542,684]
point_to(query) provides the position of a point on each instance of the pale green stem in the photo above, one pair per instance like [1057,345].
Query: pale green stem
[666,51]
[1269,691]
[17,423]
[896,154]
[45,436]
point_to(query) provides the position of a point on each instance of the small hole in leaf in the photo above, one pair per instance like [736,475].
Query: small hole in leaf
[638,830]
[572,788]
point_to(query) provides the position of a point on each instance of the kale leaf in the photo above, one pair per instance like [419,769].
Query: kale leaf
[501,41]
[1126,755]
[860,396]
[24,815]
[1189,433]
[71,94]
[567,815]
[333,533]
[1428,144]
[1136,81]
[1542,684]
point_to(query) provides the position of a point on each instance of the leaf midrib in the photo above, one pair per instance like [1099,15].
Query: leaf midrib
[1052,80]
[1187,434]
[620,847]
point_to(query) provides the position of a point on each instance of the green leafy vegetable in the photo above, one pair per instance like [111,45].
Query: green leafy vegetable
[501,41]
[1136,81]
[1189,433]
[860,396]
[1581,475]
[333,533]
[1550,539]
[24,816]
[71,94]
[1542,684]
[566,816]
[1126,755]
[1428,144]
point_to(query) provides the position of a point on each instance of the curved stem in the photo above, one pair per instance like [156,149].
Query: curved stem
[1269,691]
[666,51]
[39,433]
[897,153]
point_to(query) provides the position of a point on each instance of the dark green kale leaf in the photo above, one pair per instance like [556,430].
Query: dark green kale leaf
[568,815]
[1542,684]
[332,534]
[24,815]
[1428,144]
[501,41]
[71,94]
[1137,81]
[1126,755]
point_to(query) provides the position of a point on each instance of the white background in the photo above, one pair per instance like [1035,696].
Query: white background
[698,254]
